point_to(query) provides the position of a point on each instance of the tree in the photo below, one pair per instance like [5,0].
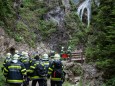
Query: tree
[101,45]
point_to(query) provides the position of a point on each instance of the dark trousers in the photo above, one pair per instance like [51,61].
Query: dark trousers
[26,82]
[41,82]
[56,83]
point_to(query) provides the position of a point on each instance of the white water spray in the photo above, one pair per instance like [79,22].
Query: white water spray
[86,5]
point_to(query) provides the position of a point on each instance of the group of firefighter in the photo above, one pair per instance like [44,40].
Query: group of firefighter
[19,68]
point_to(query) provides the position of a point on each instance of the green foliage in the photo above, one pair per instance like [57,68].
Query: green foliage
[66,83]
[111,82]
[21,27]
[2,78]
[75,29]
[77,70]
[105,63]
[5,11]
[100,46]
[47,28]
[18,37]
[73,6]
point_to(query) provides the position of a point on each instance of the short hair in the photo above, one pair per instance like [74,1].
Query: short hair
[12,49]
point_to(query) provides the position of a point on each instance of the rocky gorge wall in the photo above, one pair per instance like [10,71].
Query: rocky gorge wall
[7,42]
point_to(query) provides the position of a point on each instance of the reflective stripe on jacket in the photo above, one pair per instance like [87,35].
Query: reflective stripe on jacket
[56,79]
[15,72]
[33,72]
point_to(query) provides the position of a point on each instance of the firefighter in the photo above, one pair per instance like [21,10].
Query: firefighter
[14,72]
[7,59]
[56,71]
[63,54]
[26,61]
[69,50]
[37,73]
[45,60]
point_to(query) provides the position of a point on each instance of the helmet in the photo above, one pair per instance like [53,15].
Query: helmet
[24,53]
[45,56]
[62,47]
[16,51]
[15,57]
[69,47]
[56,56]
[8,54]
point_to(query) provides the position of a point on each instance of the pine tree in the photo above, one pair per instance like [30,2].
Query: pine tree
[101,43]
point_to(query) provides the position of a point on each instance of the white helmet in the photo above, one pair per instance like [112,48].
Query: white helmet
[56,56]
[62,47]
[8,54]
[15,57]
[16,51]
[45,56]
[69,47]
[24,53]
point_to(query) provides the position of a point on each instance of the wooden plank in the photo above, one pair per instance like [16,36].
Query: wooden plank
[76,55]
[78,59]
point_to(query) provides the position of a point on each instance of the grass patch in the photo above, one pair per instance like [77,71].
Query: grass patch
[66,83]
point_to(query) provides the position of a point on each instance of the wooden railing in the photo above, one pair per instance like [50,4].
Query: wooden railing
[77,57]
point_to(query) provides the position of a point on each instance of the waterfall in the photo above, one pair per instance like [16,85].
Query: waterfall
[86,5]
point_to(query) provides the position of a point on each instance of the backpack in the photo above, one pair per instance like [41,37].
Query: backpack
[40,69]
[58,70]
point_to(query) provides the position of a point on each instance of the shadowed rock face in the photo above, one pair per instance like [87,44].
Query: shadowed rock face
[88,74]
[5,42]
[56,15]
[91,76]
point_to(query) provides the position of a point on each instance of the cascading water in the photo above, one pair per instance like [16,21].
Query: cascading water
[86,5]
